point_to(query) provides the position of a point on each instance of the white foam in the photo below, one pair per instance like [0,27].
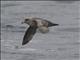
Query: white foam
[27,49]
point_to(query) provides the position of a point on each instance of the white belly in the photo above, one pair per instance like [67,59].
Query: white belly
[43,29]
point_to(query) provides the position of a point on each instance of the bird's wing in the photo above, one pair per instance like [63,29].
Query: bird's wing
[29,34]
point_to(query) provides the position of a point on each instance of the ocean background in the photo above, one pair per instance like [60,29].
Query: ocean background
[61,43]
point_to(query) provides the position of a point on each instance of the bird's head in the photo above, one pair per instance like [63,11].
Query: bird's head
[27,20]
[30,21]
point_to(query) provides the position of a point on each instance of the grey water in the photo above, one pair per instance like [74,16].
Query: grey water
[61,43]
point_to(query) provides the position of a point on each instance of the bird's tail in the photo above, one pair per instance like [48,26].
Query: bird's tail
[52,24]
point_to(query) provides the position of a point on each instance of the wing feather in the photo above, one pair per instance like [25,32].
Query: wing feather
[29,34]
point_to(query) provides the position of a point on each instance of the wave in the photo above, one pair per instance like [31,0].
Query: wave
[12,28]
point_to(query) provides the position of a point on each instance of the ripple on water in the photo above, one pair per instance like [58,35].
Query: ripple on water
[69,29]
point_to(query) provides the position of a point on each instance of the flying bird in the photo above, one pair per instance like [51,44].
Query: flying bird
[34,24]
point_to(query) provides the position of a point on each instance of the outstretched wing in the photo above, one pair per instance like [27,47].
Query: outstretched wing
[29,35]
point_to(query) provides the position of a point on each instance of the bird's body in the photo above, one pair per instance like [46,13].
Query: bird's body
[36,23]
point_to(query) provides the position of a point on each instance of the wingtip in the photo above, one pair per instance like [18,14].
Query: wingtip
[23,43]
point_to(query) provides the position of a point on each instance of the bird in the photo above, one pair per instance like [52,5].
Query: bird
[34,24]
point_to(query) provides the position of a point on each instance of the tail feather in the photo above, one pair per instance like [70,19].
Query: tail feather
[50,24]
[53,24]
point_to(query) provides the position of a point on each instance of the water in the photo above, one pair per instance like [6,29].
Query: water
[61,43]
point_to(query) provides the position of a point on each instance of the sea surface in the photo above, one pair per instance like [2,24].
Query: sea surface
[60,43]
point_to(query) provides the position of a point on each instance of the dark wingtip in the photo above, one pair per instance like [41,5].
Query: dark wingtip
[23,43]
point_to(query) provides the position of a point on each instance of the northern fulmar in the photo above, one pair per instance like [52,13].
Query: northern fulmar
[34,24]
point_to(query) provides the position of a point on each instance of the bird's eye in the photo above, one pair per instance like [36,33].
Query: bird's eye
[26,19]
